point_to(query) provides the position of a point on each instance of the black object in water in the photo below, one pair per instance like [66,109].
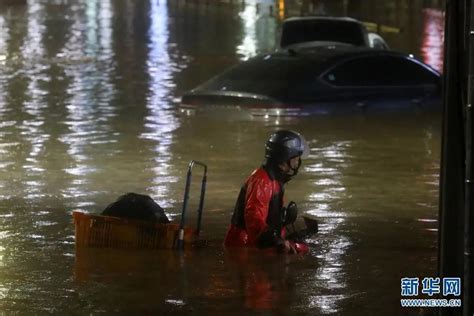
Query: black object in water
[137,206]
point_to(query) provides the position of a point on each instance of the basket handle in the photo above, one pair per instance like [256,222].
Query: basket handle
[180,244]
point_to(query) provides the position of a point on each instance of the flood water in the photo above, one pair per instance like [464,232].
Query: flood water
[89,94]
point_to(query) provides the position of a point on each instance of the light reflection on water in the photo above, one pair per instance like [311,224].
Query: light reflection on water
[249,18]
[433,38]
[88,95]
[160,121]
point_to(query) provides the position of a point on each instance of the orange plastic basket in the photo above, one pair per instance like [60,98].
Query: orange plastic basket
[114,232]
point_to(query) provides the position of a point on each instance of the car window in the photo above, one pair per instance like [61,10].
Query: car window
[376,43]
[294,32]
[380,71]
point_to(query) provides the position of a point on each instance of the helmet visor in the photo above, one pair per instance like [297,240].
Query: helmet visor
[298,145]
[305,146]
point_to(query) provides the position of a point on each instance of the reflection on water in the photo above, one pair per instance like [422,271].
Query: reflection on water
[258,29]
[88,107]
[90,93]
[249,18]
[331,164]
[433,38]
[160,122]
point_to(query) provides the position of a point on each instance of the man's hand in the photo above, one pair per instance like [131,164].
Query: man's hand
[288,247]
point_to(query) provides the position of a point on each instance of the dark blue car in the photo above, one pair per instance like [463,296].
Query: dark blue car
[326,79]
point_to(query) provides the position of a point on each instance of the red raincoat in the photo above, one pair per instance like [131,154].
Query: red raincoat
[258,206]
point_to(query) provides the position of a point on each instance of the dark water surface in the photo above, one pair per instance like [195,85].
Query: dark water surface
[88,111]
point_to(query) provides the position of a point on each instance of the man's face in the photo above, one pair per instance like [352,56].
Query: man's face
[294,162]
[287,167]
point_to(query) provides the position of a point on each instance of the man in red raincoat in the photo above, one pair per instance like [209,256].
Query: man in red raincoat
[259,216]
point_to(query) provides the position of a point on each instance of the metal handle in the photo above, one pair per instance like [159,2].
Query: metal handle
[180,244]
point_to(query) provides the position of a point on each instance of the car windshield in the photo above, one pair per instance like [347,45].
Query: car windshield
[301,31]
[270,75]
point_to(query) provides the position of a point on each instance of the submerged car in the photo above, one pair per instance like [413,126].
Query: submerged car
[347,30]
[322,80]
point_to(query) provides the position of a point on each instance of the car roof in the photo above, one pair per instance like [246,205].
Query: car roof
[322,18]
[321,57]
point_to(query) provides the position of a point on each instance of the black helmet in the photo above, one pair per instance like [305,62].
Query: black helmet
[284,145]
